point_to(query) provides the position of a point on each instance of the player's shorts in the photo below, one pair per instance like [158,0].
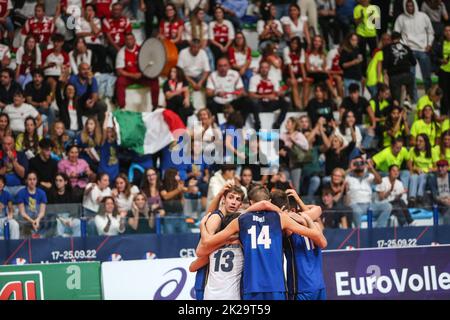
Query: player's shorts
[315,295]
[265,296]
[199,294]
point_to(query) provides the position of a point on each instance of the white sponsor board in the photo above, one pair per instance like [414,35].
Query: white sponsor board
[159,279]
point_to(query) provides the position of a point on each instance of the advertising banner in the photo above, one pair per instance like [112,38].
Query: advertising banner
[60,281]
[407,273]
[151,246]
[164,279]
[126,247]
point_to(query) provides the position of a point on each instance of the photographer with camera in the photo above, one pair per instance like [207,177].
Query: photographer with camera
[361,175]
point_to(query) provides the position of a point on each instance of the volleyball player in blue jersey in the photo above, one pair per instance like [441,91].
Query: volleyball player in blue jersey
[304,258]
[260,232]
[232,201]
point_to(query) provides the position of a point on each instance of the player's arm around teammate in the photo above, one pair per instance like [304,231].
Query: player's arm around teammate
[232,201]
[305,220]
[309,229]
[313,211]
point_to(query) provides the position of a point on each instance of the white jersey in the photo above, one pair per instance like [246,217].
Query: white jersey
[225,271]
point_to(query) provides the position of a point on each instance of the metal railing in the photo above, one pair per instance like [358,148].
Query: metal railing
[75,211]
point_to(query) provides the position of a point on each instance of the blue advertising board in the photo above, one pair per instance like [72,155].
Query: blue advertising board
[409,273]
[150,246]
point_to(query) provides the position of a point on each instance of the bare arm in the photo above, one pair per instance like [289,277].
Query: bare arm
[24,214]
[198,263]
[212,241]
[315,235]
[18,168]
[314,212]
[41,211]
[214,205]
[133,222]
[212,225]
[168,195]
[374,172]
[307,35]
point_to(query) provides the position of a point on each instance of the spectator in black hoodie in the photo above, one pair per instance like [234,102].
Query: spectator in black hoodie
[320,105]
[397,63]
[351,61]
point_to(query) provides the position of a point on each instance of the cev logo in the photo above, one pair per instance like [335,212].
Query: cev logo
[74,19]
[187,253]
[373,17]
[25,285]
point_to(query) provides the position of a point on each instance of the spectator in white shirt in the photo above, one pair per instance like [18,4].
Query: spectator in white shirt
[5,58]
[296,25]
[359,190]
[80,54]
[94,194]
[18,111]
[197,28]
[124,193]
[90,28]
[221,33]
[294,137]
[418,34]
[195,64]
[392,190]
[266,96]
[269,29]
[108,222]
[225,87]
[349,132]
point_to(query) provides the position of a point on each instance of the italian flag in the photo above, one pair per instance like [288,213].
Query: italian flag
[147,132]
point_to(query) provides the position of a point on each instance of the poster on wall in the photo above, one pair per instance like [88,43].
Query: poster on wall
[161,279]
[60,281]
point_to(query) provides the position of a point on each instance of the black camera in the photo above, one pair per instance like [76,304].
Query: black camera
[360,163]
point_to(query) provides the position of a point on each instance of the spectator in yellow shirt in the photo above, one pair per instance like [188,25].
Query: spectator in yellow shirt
[395,126]
[442,151]
[427,125]
[365,16]
[420,163]
[432,98]
[395,154]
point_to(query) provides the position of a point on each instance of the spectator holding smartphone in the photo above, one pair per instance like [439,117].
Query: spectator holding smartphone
[360,178]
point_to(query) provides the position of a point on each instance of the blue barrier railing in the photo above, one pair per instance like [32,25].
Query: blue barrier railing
[430,214]
[435,214]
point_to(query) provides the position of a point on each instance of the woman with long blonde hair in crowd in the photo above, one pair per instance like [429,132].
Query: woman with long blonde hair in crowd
[89,141]
[140,218]
[59,138]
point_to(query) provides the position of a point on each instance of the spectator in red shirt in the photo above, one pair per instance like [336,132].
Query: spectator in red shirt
[28,58]
[103,8]
[221,34]
[240,56]
[54,60]
[294,59]
[128,72]
[91,31]
[40,26]
[265,94]
[115,29]
[171,26]
[5,19]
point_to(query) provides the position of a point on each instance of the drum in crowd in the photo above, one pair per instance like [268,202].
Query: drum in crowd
[157,57]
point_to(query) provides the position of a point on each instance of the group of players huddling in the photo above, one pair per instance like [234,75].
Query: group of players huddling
[240,255]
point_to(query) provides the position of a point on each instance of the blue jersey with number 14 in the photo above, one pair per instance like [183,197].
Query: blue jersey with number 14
[262,244]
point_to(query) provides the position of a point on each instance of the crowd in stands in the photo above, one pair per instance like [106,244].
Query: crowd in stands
[369,134]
